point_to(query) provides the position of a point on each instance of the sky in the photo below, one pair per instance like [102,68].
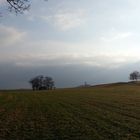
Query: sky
[96,41]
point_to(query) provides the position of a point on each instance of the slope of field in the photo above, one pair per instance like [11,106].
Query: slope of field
[100,113]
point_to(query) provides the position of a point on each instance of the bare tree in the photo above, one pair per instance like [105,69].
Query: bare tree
[134,75]
[42,83]
[48,83]
[36,82]
[18,5]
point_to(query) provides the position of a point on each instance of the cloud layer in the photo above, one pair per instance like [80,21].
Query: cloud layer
[71,40]
[66,19]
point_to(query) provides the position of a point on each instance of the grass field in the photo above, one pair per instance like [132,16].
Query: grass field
[100,113]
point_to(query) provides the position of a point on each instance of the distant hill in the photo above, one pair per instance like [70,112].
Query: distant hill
[118,84]
[111,84]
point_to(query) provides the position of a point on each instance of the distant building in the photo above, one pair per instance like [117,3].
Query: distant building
[85,85]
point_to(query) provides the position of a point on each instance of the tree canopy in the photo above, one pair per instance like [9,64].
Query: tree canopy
[19,6]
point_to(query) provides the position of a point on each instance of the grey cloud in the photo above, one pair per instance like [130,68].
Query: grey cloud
[12,76]
[102,60]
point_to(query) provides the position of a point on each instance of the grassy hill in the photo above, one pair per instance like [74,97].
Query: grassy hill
[101,113]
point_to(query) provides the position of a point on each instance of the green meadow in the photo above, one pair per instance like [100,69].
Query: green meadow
[109,112]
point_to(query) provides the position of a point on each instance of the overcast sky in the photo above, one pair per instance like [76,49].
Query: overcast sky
[97,41]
